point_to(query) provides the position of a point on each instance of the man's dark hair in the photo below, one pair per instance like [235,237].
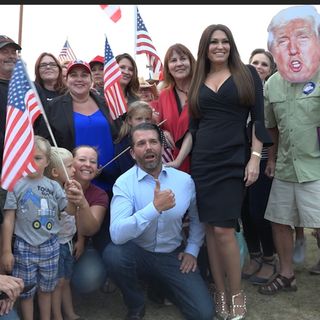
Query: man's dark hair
[145,126]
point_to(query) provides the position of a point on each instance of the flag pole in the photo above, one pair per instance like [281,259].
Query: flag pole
[44,115]
[135,31]
[123,151]
[20,25]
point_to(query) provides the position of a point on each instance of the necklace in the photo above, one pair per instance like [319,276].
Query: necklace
[185,92]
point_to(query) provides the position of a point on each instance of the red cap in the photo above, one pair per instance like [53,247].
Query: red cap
[78,63]
[97,59]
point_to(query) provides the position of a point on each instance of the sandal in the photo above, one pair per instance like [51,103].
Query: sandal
[279,283]
[238,310]
[261,280]
[221,305]
[256,257]
[316,234]
[212,289]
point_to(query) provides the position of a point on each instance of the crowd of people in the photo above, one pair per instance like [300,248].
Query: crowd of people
[107,210]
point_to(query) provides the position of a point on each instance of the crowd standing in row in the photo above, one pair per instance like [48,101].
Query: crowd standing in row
[237,131]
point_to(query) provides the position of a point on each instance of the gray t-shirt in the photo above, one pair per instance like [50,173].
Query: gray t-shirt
[37,203]
[68,227]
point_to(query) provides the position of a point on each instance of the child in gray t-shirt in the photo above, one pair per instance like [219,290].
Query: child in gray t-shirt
[62,296]
[31,216]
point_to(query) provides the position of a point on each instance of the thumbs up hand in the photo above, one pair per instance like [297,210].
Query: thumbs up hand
[163,199]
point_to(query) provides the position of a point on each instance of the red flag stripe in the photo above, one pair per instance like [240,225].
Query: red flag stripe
[66,53]
[112,89]
[22,111]
[112,10]
[18,138]
[144,45]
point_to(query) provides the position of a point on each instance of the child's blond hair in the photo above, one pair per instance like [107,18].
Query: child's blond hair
[132,109]
[43,145]
[57,153]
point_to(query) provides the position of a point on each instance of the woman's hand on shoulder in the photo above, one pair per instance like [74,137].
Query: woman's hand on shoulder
[172,164]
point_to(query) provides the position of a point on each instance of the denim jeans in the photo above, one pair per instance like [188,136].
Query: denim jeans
[12,315]
[89,272]
[126,263]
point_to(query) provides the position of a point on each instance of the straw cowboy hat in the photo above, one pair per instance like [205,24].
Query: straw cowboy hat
[144,84]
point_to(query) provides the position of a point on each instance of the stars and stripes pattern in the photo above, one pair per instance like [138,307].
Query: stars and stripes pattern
[112,89]
[144,45]
[112,10]
[167,154]
[22,110]
[66,53]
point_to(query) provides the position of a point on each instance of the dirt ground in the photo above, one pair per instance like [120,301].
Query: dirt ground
[301,305]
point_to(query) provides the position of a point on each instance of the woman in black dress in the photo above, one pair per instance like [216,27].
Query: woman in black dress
[222,94]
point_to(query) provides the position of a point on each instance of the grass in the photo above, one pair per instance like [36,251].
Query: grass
[300,305]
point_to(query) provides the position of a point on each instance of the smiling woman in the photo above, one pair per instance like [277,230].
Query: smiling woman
[49,78]
[81,117]
[179,65]
[121,34]
[223,92]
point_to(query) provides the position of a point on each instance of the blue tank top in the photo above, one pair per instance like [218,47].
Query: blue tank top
[94,130]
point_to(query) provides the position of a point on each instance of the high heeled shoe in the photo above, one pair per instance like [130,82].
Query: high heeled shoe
[222,310]
[238,310]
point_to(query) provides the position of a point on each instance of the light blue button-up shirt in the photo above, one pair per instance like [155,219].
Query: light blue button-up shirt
[134,217]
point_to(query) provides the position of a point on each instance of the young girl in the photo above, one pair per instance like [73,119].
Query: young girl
[138,112]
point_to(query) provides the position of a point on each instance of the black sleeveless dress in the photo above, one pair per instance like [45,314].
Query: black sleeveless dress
[221,149]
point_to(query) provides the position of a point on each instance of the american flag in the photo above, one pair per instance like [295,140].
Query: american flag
[144,45]
[167,155]
[112,89]
[112,10]
[22,110]
[66,53]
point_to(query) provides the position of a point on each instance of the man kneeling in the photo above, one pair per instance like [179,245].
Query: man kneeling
[148,204]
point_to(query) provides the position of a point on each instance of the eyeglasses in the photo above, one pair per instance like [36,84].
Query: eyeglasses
[46,65]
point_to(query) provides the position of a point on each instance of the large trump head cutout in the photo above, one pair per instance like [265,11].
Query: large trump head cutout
[294,42]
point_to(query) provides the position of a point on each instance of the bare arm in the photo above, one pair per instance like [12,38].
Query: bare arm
[79,246]
[272,152]
[89,218]
[6,235]
[183,153]
[252,168]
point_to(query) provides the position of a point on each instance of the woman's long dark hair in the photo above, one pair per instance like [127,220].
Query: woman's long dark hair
[240,73]
[133,86]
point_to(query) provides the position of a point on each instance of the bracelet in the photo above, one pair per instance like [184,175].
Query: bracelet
[255,153]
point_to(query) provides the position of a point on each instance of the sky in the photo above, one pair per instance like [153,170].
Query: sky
[45,28]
